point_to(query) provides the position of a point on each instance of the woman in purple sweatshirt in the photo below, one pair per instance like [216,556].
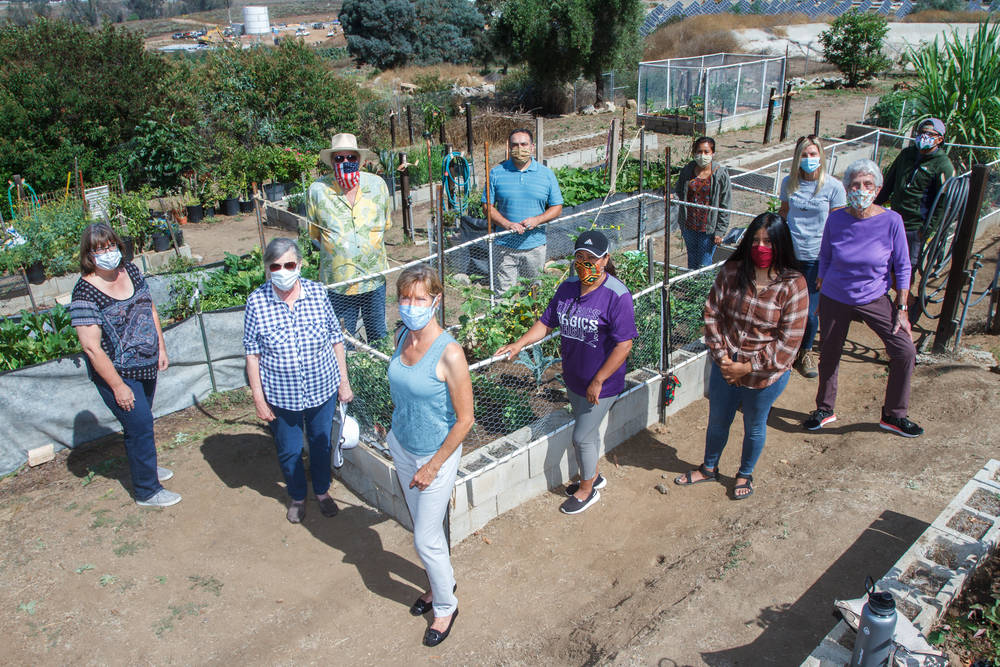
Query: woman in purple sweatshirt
[863,250]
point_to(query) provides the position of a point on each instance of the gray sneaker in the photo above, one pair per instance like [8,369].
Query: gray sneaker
[161,498]
[163,474]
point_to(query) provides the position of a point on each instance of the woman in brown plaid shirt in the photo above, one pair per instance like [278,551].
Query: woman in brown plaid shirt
[754,320]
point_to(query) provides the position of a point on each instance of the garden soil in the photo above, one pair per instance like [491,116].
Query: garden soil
[685,577]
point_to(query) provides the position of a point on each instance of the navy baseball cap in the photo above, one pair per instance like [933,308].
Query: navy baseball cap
[593,242]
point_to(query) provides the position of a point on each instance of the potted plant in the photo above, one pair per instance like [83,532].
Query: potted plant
[297,204]
[209,196]
[161,238]
[230,186]
[192,203]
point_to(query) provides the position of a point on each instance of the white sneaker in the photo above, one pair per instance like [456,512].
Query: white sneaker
[161,498]
[163,474]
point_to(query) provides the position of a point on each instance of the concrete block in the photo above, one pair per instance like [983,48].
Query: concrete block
[460,497]
[461,526]
[516,494]
[989,474]
[513,471]
[482,481]
[693,376]
[480,515]
[520,438]
[372,466]
[40,455]
[964,522]
[562,470]
[545,452]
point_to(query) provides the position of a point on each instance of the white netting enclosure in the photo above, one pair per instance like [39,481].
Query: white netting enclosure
[714,92]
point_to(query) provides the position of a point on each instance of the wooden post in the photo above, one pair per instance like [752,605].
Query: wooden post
[430,184]
[489,222]
[27,286]
[441,130]
[816,124]
[121,185]
[440,248]
[260,220]
[409,122]
[640,227]
[770,118]
[965,236]
[613,170]
[404,196]
[786,112]
[539,138]
[665,342]
[79,180]
[468,130]
[392,129]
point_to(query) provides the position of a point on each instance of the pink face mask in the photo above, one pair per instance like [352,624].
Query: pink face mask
[762,256]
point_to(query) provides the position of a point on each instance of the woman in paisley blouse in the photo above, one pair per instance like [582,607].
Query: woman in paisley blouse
[119,330]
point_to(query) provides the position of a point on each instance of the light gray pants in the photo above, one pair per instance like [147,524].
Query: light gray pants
[510,264]
[586,432]
[427,509]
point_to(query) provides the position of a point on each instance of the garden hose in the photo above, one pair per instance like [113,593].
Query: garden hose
[456,185]
[32,198]
[935,253]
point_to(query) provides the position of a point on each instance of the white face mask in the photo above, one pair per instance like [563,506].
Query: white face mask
[108,260]
[703,159]
[284,279]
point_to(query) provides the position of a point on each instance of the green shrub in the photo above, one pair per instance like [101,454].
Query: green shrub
[890,112]
[35,338]
[854,44]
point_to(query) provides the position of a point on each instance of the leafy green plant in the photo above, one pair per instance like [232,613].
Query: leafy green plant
[34,338]
[579,185]
[890,112]
[130,215]
[536,361]
[960,84]
[372,405]
[498,408]
[854,44]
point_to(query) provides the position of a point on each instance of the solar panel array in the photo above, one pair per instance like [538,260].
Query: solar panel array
[898,8]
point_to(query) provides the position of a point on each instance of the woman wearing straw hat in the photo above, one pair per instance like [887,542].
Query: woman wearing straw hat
[807,197]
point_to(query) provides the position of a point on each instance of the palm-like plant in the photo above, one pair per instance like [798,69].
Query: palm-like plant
[960,84]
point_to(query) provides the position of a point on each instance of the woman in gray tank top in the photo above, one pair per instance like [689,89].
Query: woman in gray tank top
[432,394]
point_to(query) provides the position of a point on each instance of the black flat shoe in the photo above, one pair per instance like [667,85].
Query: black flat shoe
[422,606]
[433,637]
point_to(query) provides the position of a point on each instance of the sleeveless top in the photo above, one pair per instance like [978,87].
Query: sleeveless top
[423,412]
[128,332]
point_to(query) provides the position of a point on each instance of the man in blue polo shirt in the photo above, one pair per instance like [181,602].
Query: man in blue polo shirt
[524,195]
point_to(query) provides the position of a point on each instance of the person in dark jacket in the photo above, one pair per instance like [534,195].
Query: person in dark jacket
[705,183]
[912,183]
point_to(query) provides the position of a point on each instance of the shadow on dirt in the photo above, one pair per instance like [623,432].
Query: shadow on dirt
[249,460]
[792,631]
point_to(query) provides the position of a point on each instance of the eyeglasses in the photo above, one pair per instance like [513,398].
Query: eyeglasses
[931,133]
[345,158]
[288,266]
[104,250]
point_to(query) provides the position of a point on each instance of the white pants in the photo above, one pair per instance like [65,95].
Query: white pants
[427,509]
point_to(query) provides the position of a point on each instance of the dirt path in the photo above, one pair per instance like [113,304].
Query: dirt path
[686,578]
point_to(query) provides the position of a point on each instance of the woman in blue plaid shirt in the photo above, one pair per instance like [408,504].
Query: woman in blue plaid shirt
[297,370]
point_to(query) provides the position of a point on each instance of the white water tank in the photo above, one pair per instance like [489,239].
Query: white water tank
[256,21]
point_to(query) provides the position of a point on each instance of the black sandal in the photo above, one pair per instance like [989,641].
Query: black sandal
[709,476]
[748,486]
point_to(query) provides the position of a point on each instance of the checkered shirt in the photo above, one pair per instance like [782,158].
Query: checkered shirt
[764,328]
[297,366]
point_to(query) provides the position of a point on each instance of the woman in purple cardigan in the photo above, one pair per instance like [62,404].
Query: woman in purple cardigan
[862,254]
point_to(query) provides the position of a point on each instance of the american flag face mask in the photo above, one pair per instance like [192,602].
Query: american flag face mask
[348,174]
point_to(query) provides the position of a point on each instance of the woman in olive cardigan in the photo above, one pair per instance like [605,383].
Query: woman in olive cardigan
[704,182]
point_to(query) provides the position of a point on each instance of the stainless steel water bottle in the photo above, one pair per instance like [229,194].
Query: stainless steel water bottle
[875,630]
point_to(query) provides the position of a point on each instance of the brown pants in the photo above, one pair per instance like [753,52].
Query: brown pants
[880,316]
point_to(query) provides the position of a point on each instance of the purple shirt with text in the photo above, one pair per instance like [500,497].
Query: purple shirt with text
[590,326]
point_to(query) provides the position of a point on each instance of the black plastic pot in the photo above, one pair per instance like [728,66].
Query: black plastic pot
[209,211]
[246,206]
[35,273]
[128,248]
[274,191]
[177,236]
[161,240]
[195,213]
[230,206]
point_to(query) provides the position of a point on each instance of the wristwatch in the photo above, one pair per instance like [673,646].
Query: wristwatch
[902,306]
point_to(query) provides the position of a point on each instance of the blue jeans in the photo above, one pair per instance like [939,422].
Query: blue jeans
[137,430]
[287,431]
[370,306]
[700,247]
[810,269]
[723,400]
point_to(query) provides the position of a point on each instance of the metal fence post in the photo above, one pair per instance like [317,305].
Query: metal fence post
[665,343]
[440,248]
[640,223]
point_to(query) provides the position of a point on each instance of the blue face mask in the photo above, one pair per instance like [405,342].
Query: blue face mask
[809,164]
[416,318]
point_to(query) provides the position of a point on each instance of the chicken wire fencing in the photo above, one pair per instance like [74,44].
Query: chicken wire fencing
[527,393]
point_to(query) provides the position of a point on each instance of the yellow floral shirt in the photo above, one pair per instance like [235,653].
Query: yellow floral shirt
[351,239]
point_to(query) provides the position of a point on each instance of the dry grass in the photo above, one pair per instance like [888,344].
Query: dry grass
[942,16]
[463,75]
[489,125]
[712,33]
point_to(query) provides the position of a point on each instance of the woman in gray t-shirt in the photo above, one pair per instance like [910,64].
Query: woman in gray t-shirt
[807,197]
